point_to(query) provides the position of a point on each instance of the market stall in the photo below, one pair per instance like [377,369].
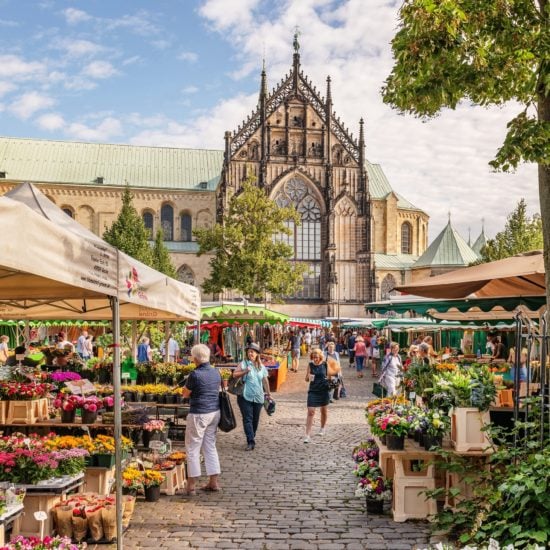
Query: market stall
[232,325]
[79,273]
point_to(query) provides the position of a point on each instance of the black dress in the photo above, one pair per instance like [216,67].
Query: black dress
[318,393]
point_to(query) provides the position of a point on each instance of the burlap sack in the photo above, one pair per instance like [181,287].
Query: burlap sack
[129,503]
[80,528]
[95,523]
[63,520]
[108,517]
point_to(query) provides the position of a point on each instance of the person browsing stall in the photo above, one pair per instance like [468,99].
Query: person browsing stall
[256,389]
[318,392]
[334,368]
[202,388]
[392,370]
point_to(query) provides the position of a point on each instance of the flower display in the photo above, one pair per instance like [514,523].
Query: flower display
[226,373]
[376,488]
[152,478]
[368,468]
[91,403]
[47,543]
[366,450]
[437,422]
[154,426]
[392,424]
[67,402]
[132,478]
[24,391]
[60,377]
[101,444]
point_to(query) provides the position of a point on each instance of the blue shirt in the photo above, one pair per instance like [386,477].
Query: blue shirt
[253,382]
[204,383]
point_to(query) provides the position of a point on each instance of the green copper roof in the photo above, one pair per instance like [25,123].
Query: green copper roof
[79,163]
[380,187]
[394,261]
[448,249]
[481,241]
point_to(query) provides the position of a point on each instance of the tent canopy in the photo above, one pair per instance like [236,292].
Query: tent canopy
[67,272]
[242,313]
[521,275]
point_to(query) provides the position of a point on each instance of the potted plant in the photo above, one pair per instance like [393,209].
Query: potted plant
[132,481]
[376,491]
[226,375]
[152,480]
[395,428]
[152,431]
[366,450]
[89,408]
[67,404]
[437,425]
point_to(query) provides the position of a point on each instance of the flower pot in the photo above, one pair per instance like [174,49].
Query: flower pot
[375,506]
[104,460]
[178,399]
[395,442]
[432,441]
[147,437]
[169,398]
[138,396]
[383,439]
[88,417]
[161,398]
[67,417]
[128,396]
[152,494]
[149,397]
[129,491]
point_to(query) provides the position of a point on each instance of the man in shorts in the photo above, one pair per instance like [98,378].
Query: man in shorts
[295,342]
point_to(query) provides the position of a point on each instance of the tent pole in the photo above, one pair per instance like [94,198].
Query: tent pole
[134,340]
[118,421]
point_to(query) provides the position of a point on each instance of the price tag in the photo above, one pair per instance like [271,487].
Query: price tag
[125,376]
[158,446]
[412,396]
[40,516]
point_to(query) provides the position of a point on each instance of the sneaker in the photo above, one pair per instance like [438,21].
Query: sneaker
[307,439]
[321,431]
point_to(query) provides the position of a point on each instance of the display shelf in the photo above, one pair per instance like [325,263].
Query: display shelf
[10,516]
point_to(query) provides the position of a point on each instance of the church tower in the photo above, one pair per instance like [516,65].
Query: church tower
[301,153]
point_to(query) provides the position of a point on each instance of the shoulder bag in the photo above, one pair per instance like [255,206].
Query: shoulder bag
[227,417]
[235,386]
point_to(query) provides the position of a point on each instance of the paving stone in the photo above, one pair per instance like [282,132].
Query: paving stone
[291,495]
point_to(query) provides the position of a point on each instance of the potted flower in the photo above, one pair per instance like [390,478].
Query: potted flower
[177,456]
[67,403]
[132,481]
[90,406]
[226,375]
[368,468]
[395,428]
[366,450]
[152,480]
[152,431]
[437,425]
[376,490]
[47,543]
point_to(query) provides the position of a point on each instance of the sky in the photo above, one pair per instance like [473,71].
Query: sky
[182,72]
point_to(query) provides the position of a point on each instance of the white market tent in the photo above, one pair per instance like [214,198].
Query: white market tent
[49,260]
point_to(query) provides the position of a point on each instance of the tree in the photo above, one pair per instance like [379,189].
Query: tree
[249,255]
[488,52]
[520,234]
[161,258]
[128,233]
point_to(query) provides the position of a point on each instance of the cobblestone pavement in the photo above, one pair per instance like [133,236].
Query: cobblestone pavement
[285,494]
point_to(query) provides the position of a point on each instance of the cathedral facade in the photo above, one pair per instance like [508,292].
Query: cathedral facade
[357,237]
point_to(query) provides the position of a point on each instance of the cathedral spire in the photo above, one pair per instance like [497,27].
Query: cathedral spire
[361,144]
[296,60]
[263,119]
[263,83]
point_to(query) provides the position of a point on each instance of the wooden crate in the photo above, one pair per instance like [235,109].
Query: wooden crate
[22,412]
[466,430]
[170,484]
[99,480]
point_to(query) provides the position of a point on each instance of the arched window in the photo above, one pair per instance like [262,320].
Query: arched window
[167,222]
[69,211]
[406,238]
[186,227]
[148,223]
[305,238]
[387,286]
[186,275]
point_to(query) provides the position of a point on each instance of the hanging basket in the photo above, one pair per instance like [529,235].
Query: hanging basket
[375,506]
[395,442]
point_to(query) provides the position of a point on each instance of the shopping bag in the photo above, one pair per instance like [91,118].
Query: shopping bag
[227,417]
[379,390]
[236,386]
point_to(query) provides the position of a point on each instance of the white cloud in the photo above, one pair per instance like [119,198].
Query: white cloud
[140,23]
[131,60]
[8,23]
[79,48]
[160,44]
[6,88]
[99,70]
[29,103]
[51,121]
[224,14]
[74,16]
[16,68]
[191,57]
[104,131]
[190,90]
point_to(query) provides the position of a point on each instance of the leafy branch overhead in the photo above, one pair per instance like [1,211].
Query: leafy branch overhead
[250,254]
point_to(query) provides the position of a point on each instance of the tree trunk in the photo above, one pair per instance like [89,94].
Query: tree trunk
[544,197]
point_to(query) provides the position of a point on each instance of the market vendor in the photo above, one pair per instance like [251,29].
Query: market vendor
[215,350]
[4,349]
